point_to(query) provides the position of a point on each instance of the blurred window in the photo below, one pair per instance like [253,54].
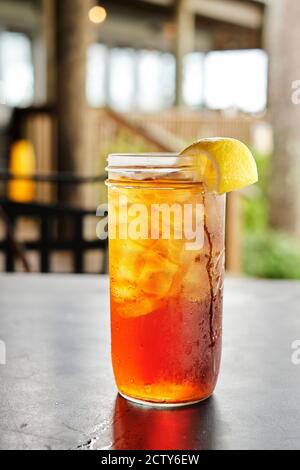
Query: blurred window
[168,80]
[193,79]
[122,79]
[96,86]
[236,79]
[16,69]
[129,79]
[156,80]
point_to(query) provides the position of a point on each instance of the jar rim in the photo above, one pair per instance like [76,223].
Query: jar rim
[145,168]
[153,160]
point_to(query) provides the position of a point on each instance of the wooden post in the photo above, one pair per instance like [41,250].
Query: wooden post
[185,41]
[49,32]
[73,36]
[282,40]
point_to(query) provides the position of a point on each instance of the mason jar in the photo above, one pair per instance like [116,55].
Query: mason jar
[166,262]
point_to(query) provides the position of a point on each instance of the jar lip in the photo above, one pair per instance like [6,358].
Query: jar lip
[145,168]
[143,154]
[148,160]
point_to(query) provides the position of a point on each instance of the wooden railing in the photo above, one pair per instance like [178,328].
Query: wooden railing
[189,126]
[47,216]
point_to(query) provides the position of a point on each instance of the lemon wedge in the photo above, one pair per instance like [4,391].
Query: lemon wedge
[223,164]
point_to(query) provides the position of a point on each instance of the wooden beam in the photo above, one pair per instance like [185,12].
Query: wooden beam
[282,44]
[74,33]
[185,43]
[49,31]
[240,13]
[163,3]
[19,15]
[152,136]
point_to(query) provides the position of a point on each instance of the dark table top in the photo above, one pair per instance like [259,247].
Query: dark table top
[57,390]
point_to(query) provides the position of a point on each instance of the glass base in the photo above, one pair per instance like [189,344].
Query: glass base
[153,404]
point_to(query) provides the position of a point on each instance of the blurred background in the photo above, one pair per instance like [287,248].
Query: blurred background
[82,78]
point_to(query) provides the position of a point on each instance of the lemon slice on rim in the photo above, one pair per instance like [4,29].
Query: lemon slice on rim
[222,164]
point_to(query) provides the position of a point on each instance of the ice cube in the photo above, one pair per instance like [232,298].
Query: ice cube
[157,275]
[138,306]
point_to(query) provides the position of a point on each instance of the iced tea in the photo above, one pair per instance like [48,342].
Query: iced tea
[166,293]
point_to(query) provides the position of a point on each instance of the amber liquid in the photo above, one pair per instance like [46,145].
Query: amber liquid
[166,305]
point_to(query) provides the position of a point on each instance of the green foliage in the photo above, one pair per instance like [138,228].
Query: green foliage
[266,253]
[255,202]
[271,254]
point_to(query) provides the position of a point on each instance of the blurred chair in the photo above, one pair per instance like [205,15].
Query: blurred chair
[37,126]
[48,216]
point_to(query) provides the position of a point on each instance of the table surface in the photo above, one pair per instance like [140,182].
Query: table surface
[57,389]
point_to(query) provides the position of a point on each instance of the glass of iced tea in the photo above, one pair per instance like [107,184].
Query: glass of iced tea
[166,257]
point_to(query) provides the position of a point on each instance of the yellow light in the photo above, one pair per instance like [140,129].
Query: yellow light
[97,15]
[22,162]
